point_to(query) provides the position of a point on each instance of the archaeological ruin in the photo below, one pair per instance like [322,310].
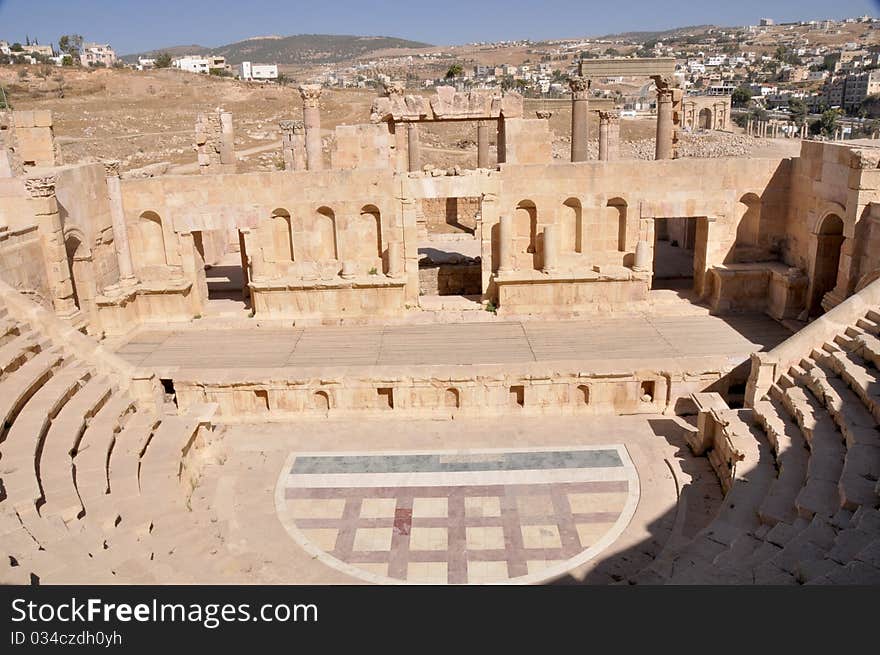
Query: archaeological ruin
[364,368]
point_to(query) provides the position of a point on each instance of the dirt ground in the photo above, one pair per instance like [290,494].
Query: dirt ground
[146,117]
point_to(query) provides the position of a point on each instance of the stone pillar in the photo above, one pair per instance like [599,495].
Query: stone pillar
[395,259]
[663,148]
[287,144]
[614,136]
[483,144]
[227,139]
[609,131]
[505,245]
[401,154]
[117,216]
[580,106]
[412,137]
[45,209]
[643,256]
[551,248]
[311,95]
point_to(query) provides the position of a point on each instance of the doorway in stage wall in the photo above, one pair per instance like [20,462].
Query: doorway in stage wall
[674,253]
[829,242]
[224,259]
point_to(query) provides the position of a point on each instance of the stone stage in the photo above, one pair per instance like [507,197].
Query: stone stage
[568,500]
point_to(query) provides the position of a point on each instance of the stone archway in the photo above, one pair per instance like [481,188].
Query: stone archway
[79,260]
[829,244]
[704,121]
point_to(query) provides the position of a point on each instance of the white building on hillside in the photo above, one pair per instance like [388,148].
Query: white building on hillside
[250,71]
[203,65]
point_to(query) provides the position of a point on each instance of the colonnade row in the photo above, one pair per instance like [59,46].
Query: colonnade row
[302,148]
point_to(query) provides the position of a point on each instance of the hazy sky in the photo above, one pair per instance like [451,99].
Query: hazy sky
[134,26]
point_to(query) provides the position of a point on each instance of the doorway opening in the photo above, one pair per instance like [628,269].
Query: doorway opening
[674,253]
[829,242]
[223,256]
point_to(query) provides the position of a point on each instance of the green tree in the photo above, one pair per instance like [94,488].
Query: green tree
[826,124]
[163,60]
[741,97]
[70,44]
[871,106]
[67,60]
[454,71]
[16,47]
[798,109]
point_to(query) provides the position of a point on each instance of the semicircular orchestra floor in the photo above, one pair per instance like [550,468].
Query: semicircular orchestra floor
[533,500]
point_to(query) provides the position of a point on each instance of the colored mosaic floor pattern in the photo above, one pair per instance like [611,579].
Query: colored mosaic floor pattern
[458,517]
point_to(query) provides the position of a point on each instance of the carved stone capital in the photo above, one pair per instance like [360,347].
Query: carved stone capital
[111,167]
[609,116]
[286,126]
[299,127]
[311,94]
[41,187]
[394,88]
[580,88]
[544,114]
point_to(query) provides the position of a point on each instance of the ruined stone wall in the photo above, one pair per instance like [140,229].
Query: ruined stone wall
[33,138]
[362,147]
[84,205]
[21,263]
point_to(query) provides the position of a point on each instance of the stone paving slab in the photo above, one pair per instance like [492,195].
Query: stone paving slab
[651,337]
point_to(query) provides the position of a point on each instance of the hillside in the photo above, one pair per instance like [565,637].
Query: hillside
[640,37]
[174,51]
[296,49]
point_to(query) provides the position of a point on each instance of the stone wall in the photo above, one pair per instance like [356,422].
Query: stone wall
[33,139]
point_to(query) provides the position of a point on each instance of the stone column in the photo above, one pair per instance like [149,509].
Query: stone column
[299,146]
[400,147]
[117,216]
[609,130]
[45,209]
[580,105]
[412,137]
[643,256]
[287,144]
[663,149]
[505,245]
[551,248]
[614,136]
[311,95]
[483,144]
[227,139]
[395,259]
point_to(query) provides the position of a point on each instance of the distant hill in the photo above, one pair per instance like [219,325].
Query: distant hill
[296,49]
[641,37]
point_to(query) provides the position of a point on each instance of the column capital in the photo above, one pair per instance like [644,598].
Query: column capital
[609,116]
[41,187]
[580,88]
[111,167]
[286,126]
[544,114]
[393,88]
[311,94]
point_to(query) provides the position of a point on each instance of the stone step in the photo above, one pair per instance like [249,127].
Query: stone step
[56,465]
[871,327]
[125,456]
[861,378]
[92,452]
[21,384]
[792,458]
[17,351]
[819,493]
[20,467]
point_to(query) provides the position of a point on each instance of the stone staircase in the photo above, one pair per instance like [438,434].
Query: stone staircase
[95,485]
[800,469]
